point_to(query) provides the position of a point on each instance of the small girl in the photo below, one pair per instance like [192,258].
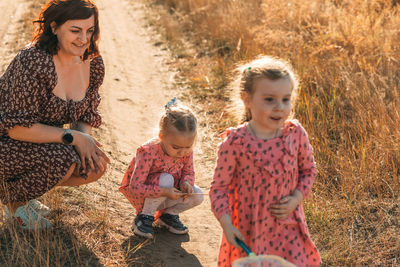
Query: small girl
[161,176]
[265,168]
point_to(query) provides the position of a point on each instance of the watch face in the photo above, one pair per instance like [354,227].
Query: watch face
[67,138]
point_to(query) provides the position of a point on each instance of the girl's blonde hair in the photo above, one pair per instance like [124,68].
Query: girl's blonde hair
[178,116]
[263,67]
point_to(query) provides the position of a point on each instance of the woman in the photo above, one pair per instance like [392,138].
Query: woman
[51,83]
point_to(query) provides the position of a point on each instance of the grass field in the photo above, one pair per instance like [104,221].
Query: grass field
[347,56]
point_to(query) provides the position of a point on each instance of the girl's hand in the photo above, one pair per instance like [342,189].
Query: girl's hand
[186,187]
[89,151]
[230,231]
[286,205]
[171,193]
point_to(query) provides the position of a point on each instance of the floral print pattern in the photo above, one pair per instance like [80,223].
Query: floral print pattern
[28,170]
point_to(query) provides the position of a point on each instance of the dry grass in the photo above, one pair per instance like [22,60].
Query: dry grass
[347,55]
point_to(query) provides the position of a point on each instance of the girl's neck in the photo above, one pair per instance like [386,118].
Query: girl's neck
[263,134]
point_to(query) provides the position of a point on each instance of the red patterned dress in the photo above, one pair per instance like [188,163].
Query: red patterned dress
[142,178]
[251,174]
[28,170]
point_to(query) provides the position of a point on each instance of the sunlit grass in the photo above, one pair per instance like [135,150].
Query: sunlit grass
[347,56]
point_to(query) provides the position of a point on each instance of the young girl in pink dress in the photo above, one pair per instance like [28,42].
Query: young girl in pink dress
[161,177]
[265,168]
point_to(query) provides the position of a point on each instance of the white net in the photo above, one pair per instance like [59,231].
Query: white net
[262,261]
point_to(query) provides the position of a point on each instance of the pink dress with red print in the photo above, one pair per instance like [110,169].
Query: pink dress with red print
[141,179]
[252,174]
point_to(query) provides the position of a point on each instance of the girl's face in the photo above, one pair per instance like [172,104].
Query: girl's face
[176,144]
[269,103]
[74,36]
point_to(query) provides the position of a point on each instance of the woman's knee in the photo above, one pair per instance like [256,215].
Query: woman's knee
[94,176]
[166,180]
[67,175]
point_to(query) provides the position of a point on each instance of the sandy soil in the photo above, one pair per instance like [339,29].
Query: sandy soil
[138,83]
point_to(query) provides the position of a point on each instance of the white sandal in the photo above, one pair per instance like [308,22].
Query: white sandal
[35,204]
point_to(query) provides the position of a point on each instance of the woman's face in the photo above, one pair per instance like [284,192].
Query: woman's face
[74,36]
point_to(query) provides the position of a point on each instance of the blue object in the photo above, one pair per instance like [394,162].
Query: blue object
[244,247]
[170,103]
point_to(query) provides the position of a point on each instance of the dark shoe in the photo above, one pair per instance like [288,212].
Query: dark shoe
[143,225]
[173,224]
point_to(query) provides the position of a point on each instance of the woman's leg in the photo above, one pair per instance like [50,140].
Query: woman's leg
[72,180]
[13,206]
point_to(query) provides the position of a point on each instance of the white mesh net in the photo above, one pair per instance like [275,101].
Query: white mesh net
[262,261]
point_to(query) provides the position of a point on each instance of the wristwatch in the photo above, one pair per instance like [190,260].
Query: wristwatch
[67,137]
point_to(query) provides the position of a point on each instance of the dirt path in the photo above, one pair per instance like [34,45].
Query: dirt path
[8,28]
[137,85]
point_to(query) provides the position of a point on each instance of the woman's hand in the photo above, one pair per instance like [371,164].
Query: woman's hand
[90,153]
[230,231]
[287,205]
[171,193]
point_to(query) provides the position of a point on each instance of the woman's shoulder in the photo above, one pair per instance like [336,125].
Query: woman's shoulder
[97,62]
[33,56]
[97,69]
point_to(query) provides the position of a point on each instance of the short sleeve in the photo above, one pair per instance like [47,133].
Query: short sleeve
[22,90]
[92,116]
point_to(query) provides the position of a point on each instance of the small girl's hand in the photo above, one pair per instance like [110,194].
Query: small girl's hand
[286,205]
[171,193]
[186,187]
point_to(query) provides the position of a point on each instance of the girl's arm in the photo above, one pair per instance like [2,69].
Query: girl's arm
[187,178]
[138,177]
[306,164]
[307,173]
[223,174]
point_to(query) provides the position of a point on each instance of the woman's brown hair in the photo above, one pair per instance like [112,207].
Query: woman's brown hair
[60,11]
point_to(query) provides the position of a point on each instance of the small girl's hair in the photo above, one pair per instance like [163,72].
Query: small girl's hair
[178,116]
[262,67]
